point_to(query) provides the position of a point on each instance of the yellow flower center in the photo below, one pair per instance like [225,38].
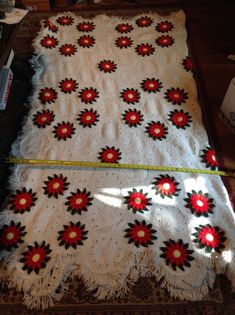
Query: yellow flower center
[10,236]
[213,157]
[64,130]
[138,200]
[166,186]
[180,119]
[36,258]
[49,41]
[141,233]
[68,85]
[88,118]
[23,201]
[133,117]
[72,234]
[56,185]
[176,253]
[47,94]
[89,95]
[157,130]
[130,95]
[68,49]
[151,85]
[110,155]
[176,95]
[44,118]
[78,201]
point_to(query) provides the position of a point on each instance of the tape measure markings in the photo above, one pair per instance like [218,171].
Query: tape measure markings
[116,166]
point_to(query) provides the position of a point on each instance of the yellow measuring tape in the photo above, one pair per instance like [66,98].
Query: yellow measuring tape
[116,165]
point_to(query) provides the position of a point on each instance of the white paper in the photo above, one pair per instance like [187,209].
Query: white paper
[14,17]
[228,105]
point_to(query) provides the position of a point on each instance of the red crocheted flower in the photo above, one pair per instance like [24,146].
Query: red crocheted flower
[88,118]
[208,157]
[144,21]
[51,27]
[64,130]
[22,200]
[109,155]
[43,118]
[86,41]
[199,203]
[124,28]
[123,42]
[130,96]
[49,42]
[79,201]
[65,20]
[164,27]
[89,95]
[86,27]
[132,117]
[107,66]
[165,41]
[177,254]
[47,95]
[210,237]
[165,186]
[72,235]
[68,50]
[151,85]
[140,233]
[144,49]
[176,96]
[68,85]
[156,130]
[188,64]
[36,257]
[55,185]
[137,201]
[11,235]
[180,119]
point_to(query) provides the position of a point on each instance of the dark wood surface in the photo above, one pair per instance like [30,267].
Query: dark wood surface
[6,42]
[212,28]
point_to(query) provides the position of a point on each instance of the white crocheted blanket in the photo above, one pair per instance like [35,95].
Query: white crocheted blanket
[119,91]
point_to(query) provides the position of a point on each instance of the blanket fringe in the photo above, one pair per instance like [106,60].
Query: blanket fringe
[42,291]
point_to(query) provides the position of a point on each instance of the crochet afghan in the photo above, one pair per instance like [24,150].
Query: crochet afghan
[118,91]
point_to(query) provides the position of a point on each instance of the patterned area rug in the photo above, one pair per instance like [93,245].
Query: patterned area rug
[149,285]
